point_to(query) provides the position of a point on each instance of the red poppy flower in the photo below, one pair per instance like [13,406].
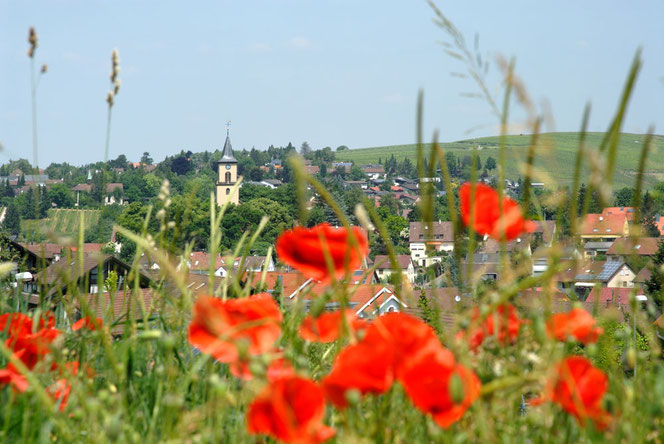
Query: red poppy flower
[86,323]
[12,376]
[278,368]
[390,345]
[579,388]
[486,217]
[59,392]
[504,324]
[409,337]
[326,327]
[291,410]
[306,249]
[220,326]
[429,383]
[27,345]
[365,367]
[578,323]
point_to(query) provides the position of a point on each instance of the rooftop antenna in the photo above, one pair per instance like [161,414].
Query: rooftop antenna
[228,127]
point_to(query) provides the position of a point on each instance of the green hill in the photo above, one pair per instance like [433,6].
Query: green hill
[554,156]
[61,222]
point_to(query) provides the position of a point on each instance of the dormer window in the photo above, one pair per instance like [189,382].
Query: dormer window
[595,230]
[608,230]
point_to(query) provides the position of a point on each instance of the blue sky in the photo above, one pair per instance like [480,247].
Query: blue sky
[327,72]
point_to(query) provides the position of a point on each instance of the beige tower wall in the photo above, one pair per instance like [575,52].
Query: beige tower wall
[225,191]
[221,172]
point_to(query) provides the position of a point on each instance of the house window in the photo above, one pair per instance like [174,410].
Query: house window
[228,191]
[228,176]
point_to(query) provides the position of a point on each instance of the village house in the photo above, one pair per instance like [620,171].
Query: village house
[373,171]
[609,274]
[60,276]
[384,267]
[599,231]
[623,248]
[426,239]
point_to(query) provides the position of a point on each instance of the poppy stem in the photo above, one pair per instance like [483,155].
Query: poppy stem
[507,382]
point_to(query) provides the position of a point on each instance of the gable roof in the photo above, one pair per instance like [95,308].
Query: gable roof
[46,250]
[643,276]
[604,225]
[644,246]
[436,231]
[373,169]
[123,306]
[383,262]
[200,261]
[110,187]
[627,211]
[82,187]
[611,296]
[60,274]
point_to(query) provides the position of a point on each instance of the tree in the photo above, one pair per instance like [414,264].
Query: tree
[490,163]
[624,197]
[61,195]
[180,166]
[648,216]
[146,159]
[594,206]
[423,304]
[120,162]
[12,223]
[655,285]
[323,169]
[388,205]
[342,148]
[356,173]
[305,149]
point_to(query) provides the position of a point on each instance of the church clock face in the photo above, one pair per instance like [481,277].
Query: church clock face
[228,167]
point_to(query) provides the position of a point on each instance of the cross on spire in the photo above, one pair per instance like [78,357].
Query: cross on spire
[228,127]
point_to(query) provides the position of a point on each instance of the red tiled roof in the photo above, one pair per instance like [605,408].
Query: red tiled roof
[312,169]
[200,261]
[123,306]
[604,225]
[110,187]
[384,261]
[644,246]
[439,231]
[89,248]
[611,296]
[82,187]
[45,250]
[643,276]
[627,211]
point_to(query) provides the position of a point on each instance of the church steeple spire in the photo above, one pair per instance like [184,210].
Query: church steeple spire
[227,154]
[227,176]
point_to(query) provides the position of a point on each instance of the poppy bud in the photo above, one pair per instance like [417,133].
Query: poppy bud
[631,357]
[257,368]
[317,307]
[456,389]
[353,396]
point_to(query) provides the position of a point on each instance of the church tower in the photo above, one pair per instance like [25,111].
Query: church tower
[227,175]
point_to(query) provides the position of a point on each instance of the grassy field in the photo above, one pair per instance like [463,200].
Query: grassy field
[61,222]
[554,156]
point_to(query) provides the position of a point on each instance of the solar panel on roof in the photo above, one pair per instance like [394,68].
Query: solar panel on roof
[609,269]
